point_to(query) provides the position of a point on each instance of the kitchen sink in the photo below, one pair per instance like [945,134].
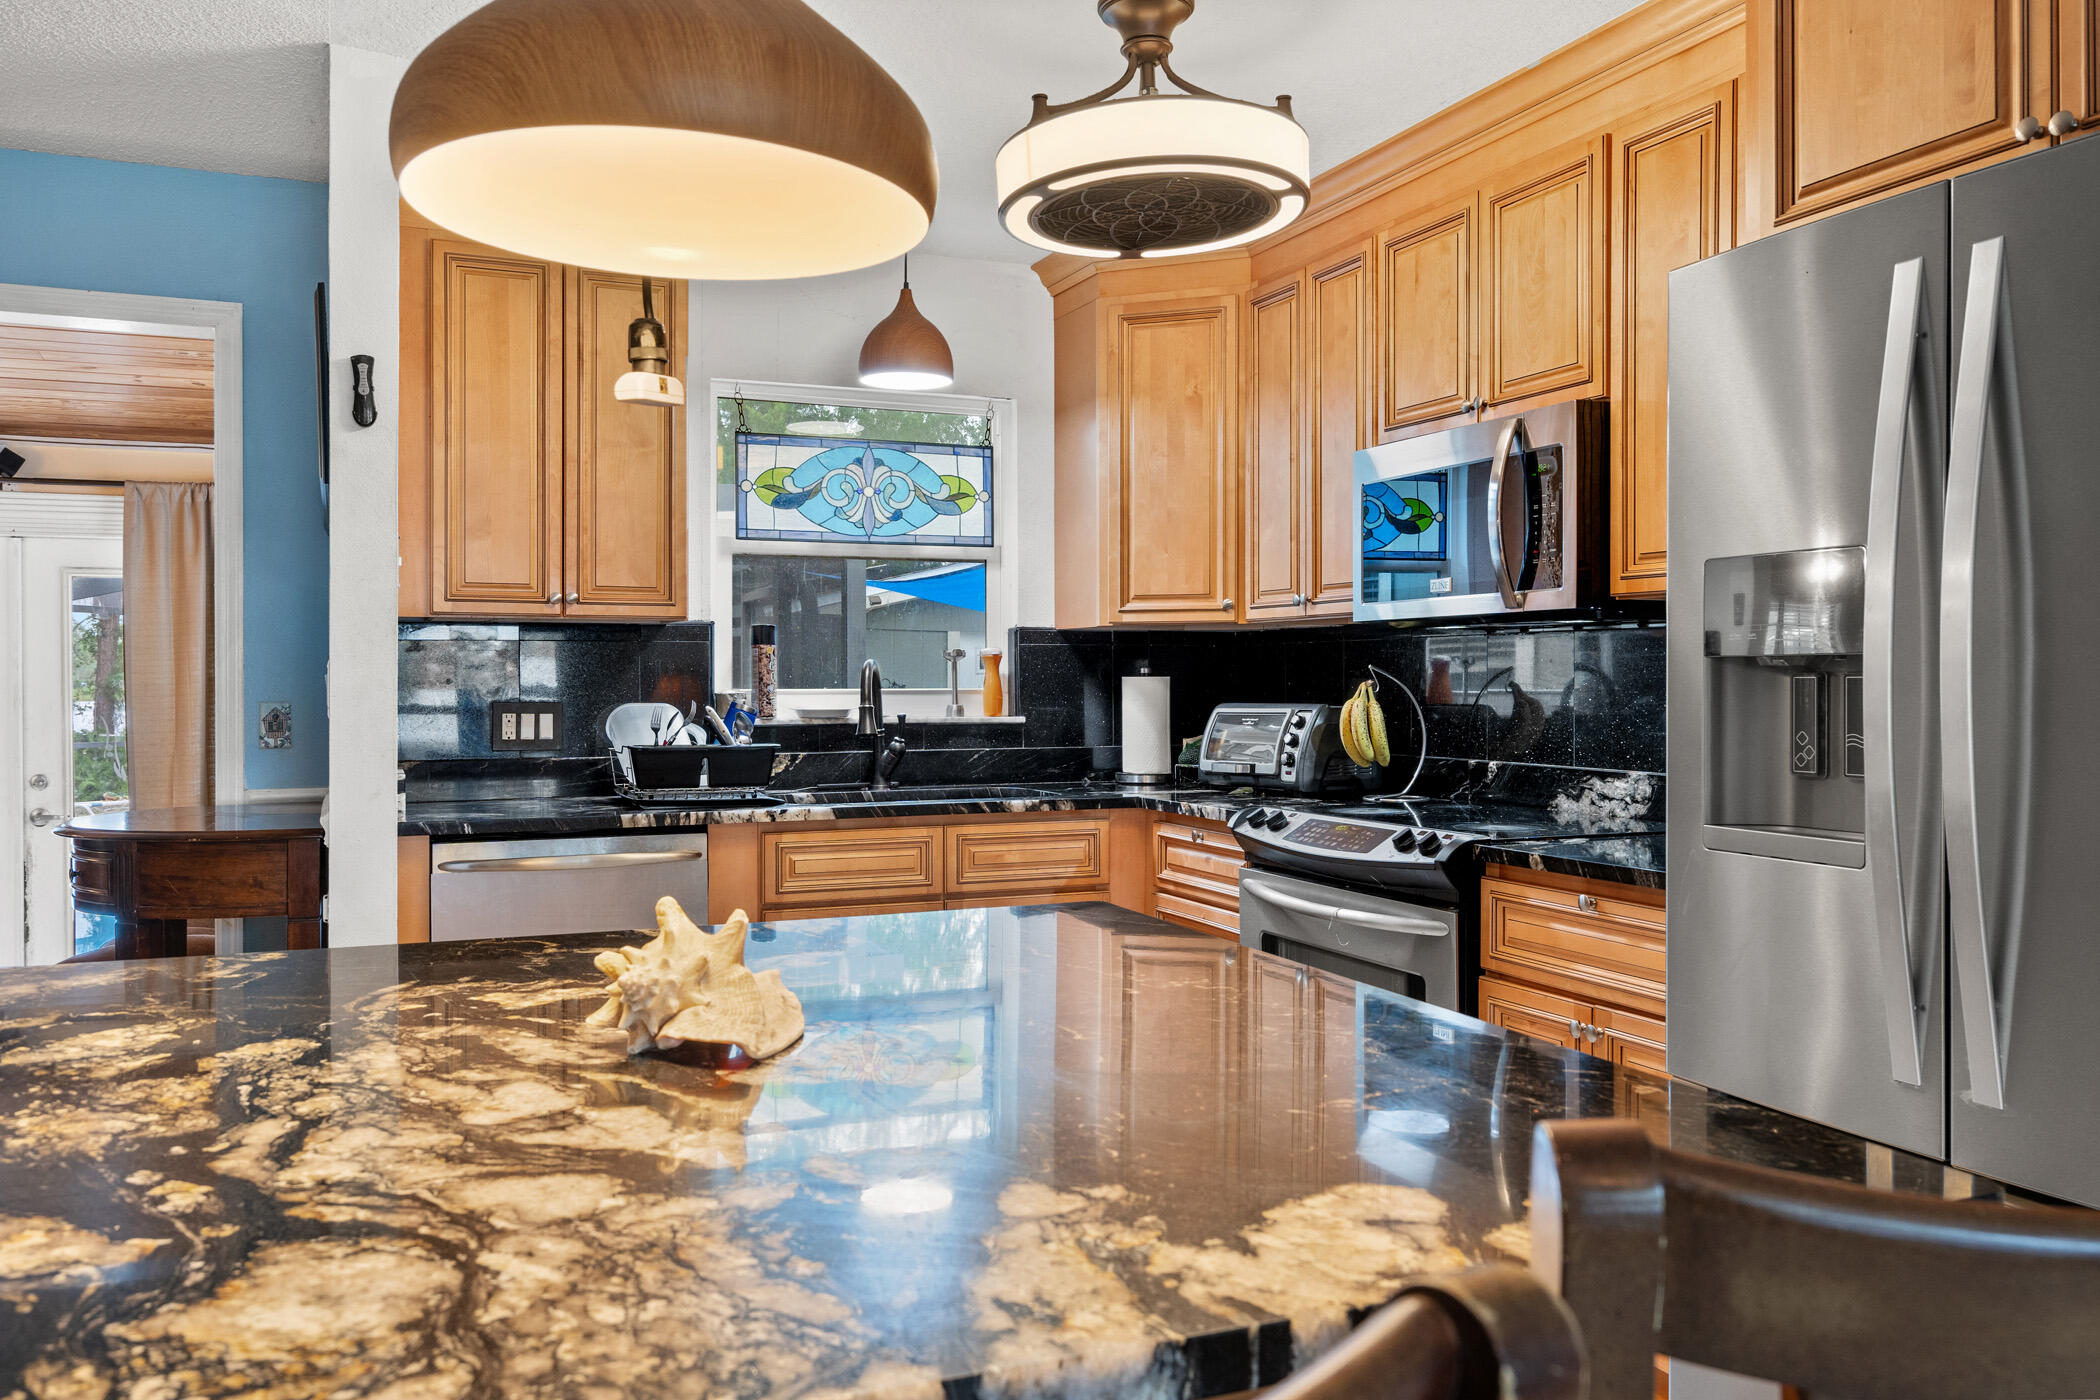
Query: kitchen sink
[847,794]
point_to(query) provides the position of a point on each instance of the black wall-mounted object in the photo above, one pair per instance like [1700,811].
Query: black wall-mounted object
[364,408]
[10,462]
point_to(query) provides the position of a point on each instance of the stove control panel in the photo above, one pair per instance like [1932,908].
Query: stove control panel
[1350,842]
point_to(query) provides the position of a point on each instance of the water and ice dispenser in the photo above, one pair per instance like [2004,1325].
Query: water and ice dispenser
[1786,707]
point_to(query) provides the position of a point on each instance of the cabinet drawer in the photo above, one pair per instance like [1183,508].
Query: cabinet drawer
[1027,856]
[1630,1039]
[1202,862]
[1204,918]
[94,877]
[893,865]
[211,879]
[1535,1013]
[1589,944]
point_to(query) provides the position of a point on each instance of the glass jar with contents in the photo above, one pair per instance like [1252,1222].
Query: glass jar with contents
[764,675]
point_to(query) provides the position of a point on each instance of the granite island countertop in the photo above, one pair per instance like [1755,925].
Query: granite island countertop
[1052,1152]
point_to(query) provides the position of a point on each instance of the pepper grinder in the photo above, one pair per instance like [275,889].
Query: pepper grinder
[764,657]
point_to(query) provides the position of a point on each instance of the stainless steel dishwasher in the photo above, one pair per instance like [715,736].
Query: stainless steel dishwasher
[563,884]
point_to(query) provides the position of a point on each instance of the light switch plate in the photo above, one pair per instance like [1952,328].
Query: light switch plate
[525,726]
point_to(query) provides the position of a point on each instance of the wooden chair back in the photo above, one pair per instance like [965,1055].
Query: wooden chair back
[1837,1289]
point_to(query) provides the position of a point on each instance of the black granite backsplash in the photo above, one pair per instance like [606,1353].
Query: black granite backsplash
[449,672]
[1579,696]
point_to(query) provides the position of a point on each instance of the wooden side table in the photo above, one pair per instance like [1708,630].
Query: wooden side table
[156,870]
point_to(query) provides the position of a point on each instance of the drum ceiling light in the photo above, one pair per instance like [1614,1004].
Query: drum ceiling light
[724,139]
[1155,174]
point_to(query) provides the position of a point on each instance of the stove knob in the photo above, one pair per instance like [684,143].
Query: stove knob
[1256,816]
[1429,843]
[1298,722]
[1290,741]
[1403,840]
[1279,820]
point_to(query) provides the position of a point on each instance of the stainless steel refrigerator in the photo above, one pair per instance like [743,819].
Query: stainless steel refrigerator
[1884,893]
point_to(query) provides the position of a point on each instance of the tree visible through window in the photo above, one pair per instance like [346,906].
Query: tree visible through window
[100,782]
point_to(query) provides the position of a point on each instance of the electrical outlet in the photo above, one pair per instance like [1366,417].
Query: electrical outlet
[525,725]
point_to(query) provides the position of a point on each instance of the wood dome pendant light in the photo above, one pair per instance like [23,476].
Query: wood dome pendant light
[906,351]
[722,139]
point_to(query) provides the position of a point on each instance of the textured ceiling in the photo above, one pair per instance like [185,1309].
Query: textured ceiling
[240,85]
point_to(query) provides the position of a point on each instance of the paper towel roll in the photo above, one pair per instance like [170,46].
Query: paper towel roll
[1148,740]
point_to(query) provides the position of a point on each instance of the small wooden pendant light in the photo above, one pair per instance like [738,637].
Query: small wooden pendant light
[906,351]
[725,139]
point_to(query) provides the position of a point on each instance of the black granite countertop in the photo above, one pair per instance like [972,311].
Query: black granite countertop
[565,816]
[1059,1152]
[1627,860]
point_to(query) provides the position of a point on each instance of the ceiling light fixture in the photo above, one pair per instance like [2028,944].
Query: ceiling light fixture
[1156,174]
[649,351]
[906,351]
[723,139]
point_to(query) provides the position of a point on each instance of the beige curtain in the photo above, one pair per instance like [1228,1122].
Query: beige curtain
[167,642]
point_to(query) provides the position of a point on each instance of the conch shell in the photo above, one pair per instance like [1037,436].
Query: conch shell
[691,986]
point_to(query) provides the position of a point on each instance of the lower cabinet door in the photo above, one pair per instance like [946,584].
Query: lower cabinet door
[822,868]
[1632,1040]
[1535,1013]
[1021,859]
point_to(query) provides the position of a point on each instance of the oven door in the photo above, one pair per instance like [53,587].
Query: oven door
[1407,948]
[1469,521]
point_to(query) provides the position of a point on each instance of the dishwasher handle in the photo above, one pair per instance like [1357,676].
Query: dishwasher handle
[1384,923]
[608,860]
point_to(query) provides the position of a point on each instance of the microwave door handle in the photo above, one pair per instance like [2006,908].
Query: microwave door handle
[1514,436]
[1900,858]
[1384,923]
[1981,915]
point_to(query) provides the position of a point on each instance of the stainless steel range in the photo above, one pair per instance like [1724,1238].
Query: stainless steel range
[1382,890]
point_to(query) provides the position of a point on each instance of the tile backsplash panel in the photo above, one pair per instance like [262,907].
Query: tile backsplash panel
[449,672]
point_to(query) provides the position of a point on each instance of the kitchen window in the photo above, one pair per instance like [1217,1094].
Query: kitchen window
[863,525]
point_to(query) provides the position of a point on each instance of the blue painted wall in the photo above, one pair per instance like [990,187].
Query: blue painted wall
[106,226]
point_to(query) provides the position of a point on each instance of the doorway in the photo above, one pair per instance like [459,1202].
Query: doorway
[113,389]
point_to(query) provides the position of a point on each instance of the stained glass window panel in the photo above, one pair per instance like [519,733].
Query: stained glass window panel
[1405,519]
[823,490]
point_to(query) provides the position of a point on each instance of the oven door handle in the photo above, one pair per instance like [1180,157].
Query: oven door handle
[1384,923]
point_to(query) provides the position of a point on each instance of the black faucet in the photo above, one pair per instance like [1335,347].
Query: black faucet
[883,758]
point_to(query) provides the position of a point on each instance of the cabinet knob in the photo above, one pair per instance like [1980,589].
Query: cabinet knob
[2026,129]
[2062,124]
[1225,604]
[1298,600]
[1587,903]
[573,597]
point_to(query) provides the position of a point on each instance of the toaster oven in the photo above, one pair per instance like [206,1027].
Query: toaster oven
[1281,748]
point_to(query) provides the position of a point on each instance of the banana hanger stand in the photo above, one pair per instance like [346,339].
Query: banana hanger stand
[1379,673]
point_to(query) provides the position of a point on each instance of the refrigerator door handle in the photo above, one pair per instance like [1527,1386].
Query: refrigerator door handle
[1902,839]
[1984,900]
[1517,437]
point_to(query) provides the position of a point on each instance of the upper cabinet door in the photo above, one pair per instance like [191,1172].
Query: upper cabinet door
[1425,271]
[1338,373]
[1173,369]
[1541,282]
[1673,191]
[625,553]
[1869,95]
[2077,77]
[1272,527]
[496,432]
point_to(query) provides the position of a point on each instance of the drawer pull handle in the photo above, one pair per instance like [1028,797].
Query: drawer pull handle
[608,861]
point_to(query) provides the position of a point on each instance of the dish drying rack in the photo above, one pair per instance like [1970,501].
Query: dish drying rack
[690,797]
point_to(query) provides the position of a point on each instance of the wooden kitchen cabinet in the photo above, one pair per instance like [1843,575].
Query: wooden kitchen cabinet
[812,864]
[1673,203]
[1173,540]
[1028,857]
[1542,275]
[624,543]
[1426,296]
[527,490]
[1307,404]
[1861,98]
[1196,875]
[1578,962]
[1273,492]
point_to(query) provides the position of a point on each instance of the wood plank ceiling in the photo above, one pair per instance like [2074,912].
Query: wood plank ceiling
[105,386]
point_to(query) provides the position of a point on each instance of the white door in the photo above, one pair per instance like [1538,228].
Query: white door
[65,709]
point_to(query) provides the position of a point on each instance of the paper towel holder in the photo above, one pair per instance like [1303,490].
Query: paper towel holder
[1148,777]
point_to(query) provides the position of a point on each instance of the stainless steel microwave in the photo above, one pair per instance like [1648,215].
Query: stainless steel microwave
[1505,515]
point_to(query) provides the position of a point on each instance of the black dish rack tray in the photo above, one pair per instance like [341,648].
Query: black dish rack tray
[728,795]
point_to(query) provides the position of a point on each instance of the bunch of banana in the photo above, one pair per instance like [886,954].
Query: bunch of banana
[1363,729]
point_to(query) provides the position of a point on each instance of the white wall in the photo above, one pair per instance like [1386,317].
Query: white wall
[996,317]
[364,295]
